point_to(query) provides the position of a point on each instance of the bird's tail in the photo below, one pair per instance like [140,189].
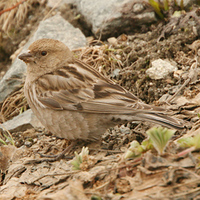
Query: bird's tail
[161,119]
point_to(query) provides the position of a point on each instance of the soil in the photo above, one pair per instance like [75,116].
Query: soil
[104,173]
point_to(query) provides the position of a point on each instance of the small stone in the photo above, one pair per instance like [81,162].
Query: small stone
[28,143]
[160,69]
[113,41]
[124,130]
[115,73]
[138,7]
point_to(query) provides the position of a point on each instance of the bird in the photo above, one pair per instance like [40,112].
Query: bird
[75,101]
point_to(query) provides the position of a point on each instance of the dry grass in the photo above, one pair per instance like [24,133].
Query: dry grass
[13,105]
[13,13]
[102,57]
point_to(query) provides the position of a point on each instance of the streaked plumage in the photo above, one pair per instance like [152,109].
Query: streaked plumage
[74,101]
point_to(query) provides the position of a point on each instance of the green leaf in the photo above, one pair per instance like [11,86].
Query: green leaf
[134,150]
[96,197]
[186,142]
[197,141]
[3,142]
[78,159]
[190,142]
[166,5]
[160,137]
[182,5]
[147,144]
[156,7]
[8,136]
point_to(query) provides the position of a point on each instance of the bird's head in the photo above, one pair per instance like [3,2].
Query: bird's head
[46,55]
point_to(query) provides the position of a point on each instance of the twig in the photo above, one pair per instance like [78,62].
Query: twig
[102,186]
[51,10]
[11,8]
[61,174]
[177,92]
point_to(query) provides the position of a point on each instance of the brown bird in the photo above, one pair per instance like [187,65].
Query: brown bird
[74,101]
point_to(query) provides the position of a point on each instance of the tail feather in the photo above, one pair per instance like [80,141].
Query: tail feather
[161,119]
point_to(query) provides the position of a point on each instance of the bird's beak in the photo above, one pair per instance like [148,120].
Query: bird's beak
[26,57]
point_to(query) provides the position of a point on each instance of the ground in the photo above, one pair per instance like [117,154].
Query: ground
[105,173]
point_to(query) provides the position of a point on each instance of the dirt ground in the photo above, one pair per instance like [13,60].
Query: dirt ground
[105,173]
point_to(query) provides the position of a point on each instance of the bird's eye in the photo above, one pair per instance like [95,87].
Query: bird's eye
[43,53]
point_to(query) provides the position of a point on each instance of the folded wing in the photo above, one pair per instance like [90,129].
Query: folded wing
[78,87]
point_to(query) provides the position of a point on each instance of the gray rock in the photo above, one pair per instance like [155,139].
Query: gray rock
[185,3]
[22,122]
[55,4]
[160,69]
[56,28]
[109,17]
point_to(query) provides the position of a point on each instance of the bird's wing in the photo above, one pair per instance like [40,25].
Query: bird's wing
[76,86]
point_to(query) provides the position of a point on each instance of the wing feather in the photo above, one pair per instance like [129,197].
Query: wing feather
[79,87]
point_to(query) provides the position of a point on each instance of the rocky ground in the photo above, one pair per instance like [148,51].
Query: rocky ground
[156,59]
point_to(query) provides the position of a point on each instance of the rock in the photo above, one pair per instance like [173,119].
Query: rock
[113,41]
[55,4]
[22,122]
[56,28]
[185,3]
[160,69]
[124,130]
[115,73]
[113,17]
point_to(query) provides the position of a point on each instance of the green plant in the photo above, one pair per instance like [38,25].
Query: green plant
[160,137]
[157,7]
[8,136]
[162,8]
[135,150]
[79,158]
[190,142]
